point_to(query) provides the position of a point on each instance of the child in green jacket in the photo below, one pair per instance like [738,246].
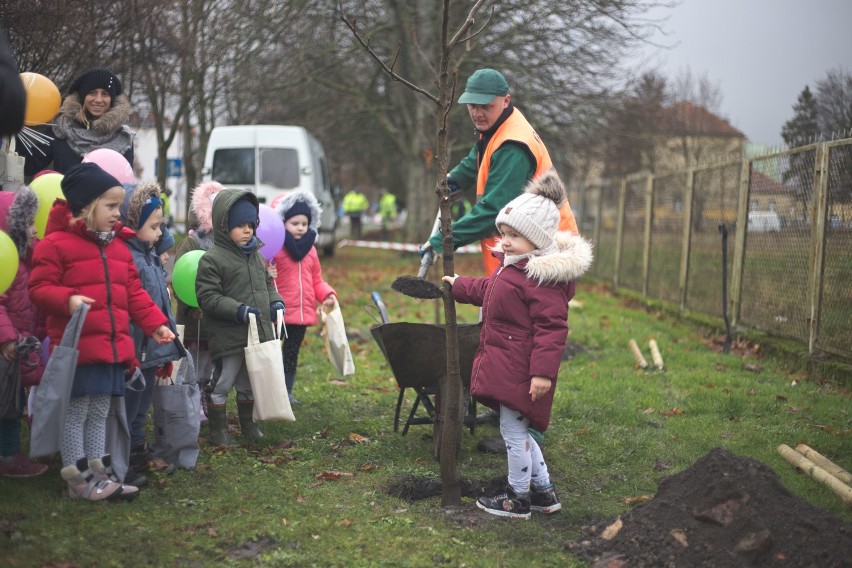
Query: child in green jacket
[232,282]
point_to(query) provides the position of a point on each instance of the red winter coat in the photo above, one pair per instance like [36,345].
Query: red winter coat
[301,286]
[70,261]
[524,326]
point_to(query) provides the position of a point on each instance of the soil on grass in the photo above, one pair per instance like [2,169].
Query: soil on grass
[724,510]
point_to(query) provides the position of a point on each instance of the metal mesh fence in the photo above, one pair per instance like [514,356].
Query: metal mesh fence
[667,237]
[779,269]
[716,192]
[776,264]
[836,311]
[633,239]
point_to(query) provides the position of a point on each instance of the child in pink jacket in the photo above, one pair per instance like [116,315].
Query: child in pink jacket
[298,274]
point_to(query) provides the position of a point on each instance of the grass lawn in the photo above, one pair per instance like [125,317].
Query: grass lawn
[316,493]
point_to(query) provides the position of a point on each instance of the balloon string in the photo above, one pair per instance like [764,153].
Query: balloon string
[197,348]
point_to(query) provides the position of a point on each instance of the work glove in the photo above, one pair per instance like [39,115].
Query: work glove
[274,307]
[452,185]
[243,313]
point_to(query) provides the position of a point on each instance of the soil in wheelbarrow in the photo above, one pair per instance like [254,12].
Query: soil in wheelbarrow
[724,510]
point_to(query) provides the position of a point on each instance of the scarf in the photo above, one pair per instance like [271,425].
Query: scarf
[103,237]
[82,140]
[250,247]
[299,248]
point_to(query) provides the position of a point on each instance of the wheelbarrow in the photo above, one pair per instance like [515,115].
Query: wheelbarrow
[417,355]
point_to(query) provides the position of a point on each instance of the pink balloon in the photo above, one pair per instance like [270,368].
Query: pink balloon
[112,163]
[271,231]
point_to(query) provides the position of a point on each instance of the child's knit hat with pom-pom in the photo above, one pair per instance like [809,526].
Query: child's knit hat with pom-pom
[535,213]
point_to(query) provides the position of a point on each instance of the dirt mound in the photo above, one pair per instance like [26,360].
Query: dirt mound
[725,510]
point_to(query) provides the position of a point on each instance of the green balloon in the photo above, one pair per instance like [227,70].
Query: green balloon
[183,277]
[8,261]
[47,187]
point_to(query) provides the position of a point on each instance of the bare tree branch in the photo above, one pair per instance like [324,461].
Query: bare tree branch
[468,23]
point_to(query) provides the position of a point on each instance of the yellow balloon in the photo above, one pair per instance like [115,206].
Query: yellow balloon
[47,188]
[8,262]
[43,99]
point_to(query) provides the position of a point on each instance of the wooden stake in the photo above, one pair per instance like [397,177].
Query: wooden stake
[825,463]
[640,360]
[840,489]
[655,354]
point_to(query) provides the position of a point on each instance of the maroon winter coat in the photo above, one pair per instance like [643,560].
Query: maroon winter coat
[70,261]
[524,326]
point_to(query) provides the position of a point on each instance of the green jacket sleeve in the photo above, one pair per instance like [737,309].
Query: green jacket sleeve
[464,174]
[510,171]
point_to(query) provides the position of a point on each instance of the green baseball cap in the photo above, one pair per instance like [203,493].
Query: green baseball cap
[483,86]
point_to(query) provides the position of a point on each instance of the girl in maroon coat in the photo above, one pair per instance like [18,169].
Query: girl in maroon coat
[524,328]
[81,260]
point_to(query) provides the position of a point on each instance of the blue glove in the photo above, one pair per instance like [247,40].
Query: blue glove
[274,307]
[243,313]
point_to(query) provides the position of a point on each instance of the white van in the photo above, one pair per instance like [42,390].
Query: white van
[271,161]
[763,222]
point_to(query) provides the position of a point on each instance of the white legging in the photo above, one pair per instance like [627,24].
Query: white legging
[526,462]
[84,435]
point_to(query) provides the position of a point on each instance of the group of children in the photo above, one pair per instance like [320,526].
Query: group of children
[105,246]
[88,255]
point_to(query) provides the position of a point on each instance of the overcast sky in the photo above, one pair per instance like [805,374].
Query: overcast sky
[761,53]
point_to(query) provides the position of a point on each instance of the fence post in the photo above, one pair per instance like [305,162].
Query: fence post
[740,243]
[649,219]
[687,236]
[619,231]
[818,235]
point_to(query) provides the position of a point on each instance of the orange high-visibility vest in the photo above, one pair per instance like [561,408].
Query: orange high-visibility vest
[516,128]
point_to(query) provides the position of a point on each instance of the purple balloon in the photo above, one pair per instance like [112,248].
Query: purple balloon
[45,350]
[270,231]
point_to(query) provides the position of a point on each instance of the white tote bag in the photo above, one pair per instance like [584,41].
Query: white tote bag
[336,343]
[265,364]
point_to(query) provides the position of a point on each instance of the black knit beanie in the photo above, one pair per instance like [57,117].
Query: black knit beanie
[83,183]
[242,211]
[298,208]
[98,78]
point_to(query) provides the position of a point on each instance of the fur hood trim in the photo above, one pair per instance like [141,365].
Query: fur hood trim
[572,259]
[20,214]
[136,199]
[110,122]
[202,203]
[291,199]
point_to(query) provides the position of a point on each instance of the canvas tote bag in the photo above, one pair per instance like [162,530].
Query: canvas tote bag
[265,364]
[177,417]
[336,342]
[54,392]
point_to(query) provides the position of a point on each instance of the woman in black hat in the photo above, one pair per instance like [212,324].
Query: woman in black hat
[93,115]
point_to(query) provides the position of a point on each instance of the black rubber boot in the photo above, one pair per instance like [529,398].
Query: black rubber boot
[217,423]
[245,408]
[290,380]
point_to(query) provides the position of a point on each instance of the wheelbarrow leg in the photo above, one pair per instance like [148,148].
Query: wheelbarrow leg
[399,402]
[411,415]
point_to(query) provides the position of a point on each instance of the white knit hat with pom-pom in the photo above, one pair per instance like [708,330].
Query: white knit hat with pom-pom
[535,213]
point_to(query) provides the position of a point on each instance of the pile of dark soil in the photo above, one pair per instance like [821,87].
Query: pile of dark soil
[724,510]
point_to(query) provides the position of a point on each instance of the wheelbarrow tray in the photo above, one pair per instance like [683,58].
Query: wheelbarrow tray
[417,352]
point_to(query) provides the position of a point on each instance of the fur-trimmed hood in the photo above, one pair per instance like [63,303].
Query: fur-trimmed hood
[572,259]
[135,199]
[291,199]
[17,212]
[202,204]
[109,123]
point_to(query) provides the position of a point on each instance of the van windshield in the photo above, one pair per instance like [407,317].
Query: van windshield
[279,167]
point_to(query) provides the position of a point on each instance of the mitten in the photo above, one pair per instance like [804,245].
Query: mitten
[244,310]
[274,307]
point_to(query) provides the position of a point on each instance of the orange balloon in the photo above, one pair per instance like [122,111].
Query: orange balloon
[42,99]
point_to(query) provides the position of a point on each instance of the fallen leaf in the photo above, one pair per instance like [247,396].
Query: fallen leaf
[331,475]
[671,411]
[212,532]
[753,367]
[358,438]
[649,410]
[792,410]
[369,467]
[612,530]
[158,464]
[660,465]
[637,499]
[339,383]
[680,536]
[752,392]
[781,398]
[282,445]
[346,522]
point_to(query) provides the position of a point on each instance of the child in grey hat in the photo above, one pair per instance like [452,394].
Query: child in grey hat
[524,329]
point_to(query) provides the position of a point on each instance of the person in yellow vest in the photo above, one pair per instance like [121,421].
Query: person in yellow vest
[388,212]
[507,155]
[355,204]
